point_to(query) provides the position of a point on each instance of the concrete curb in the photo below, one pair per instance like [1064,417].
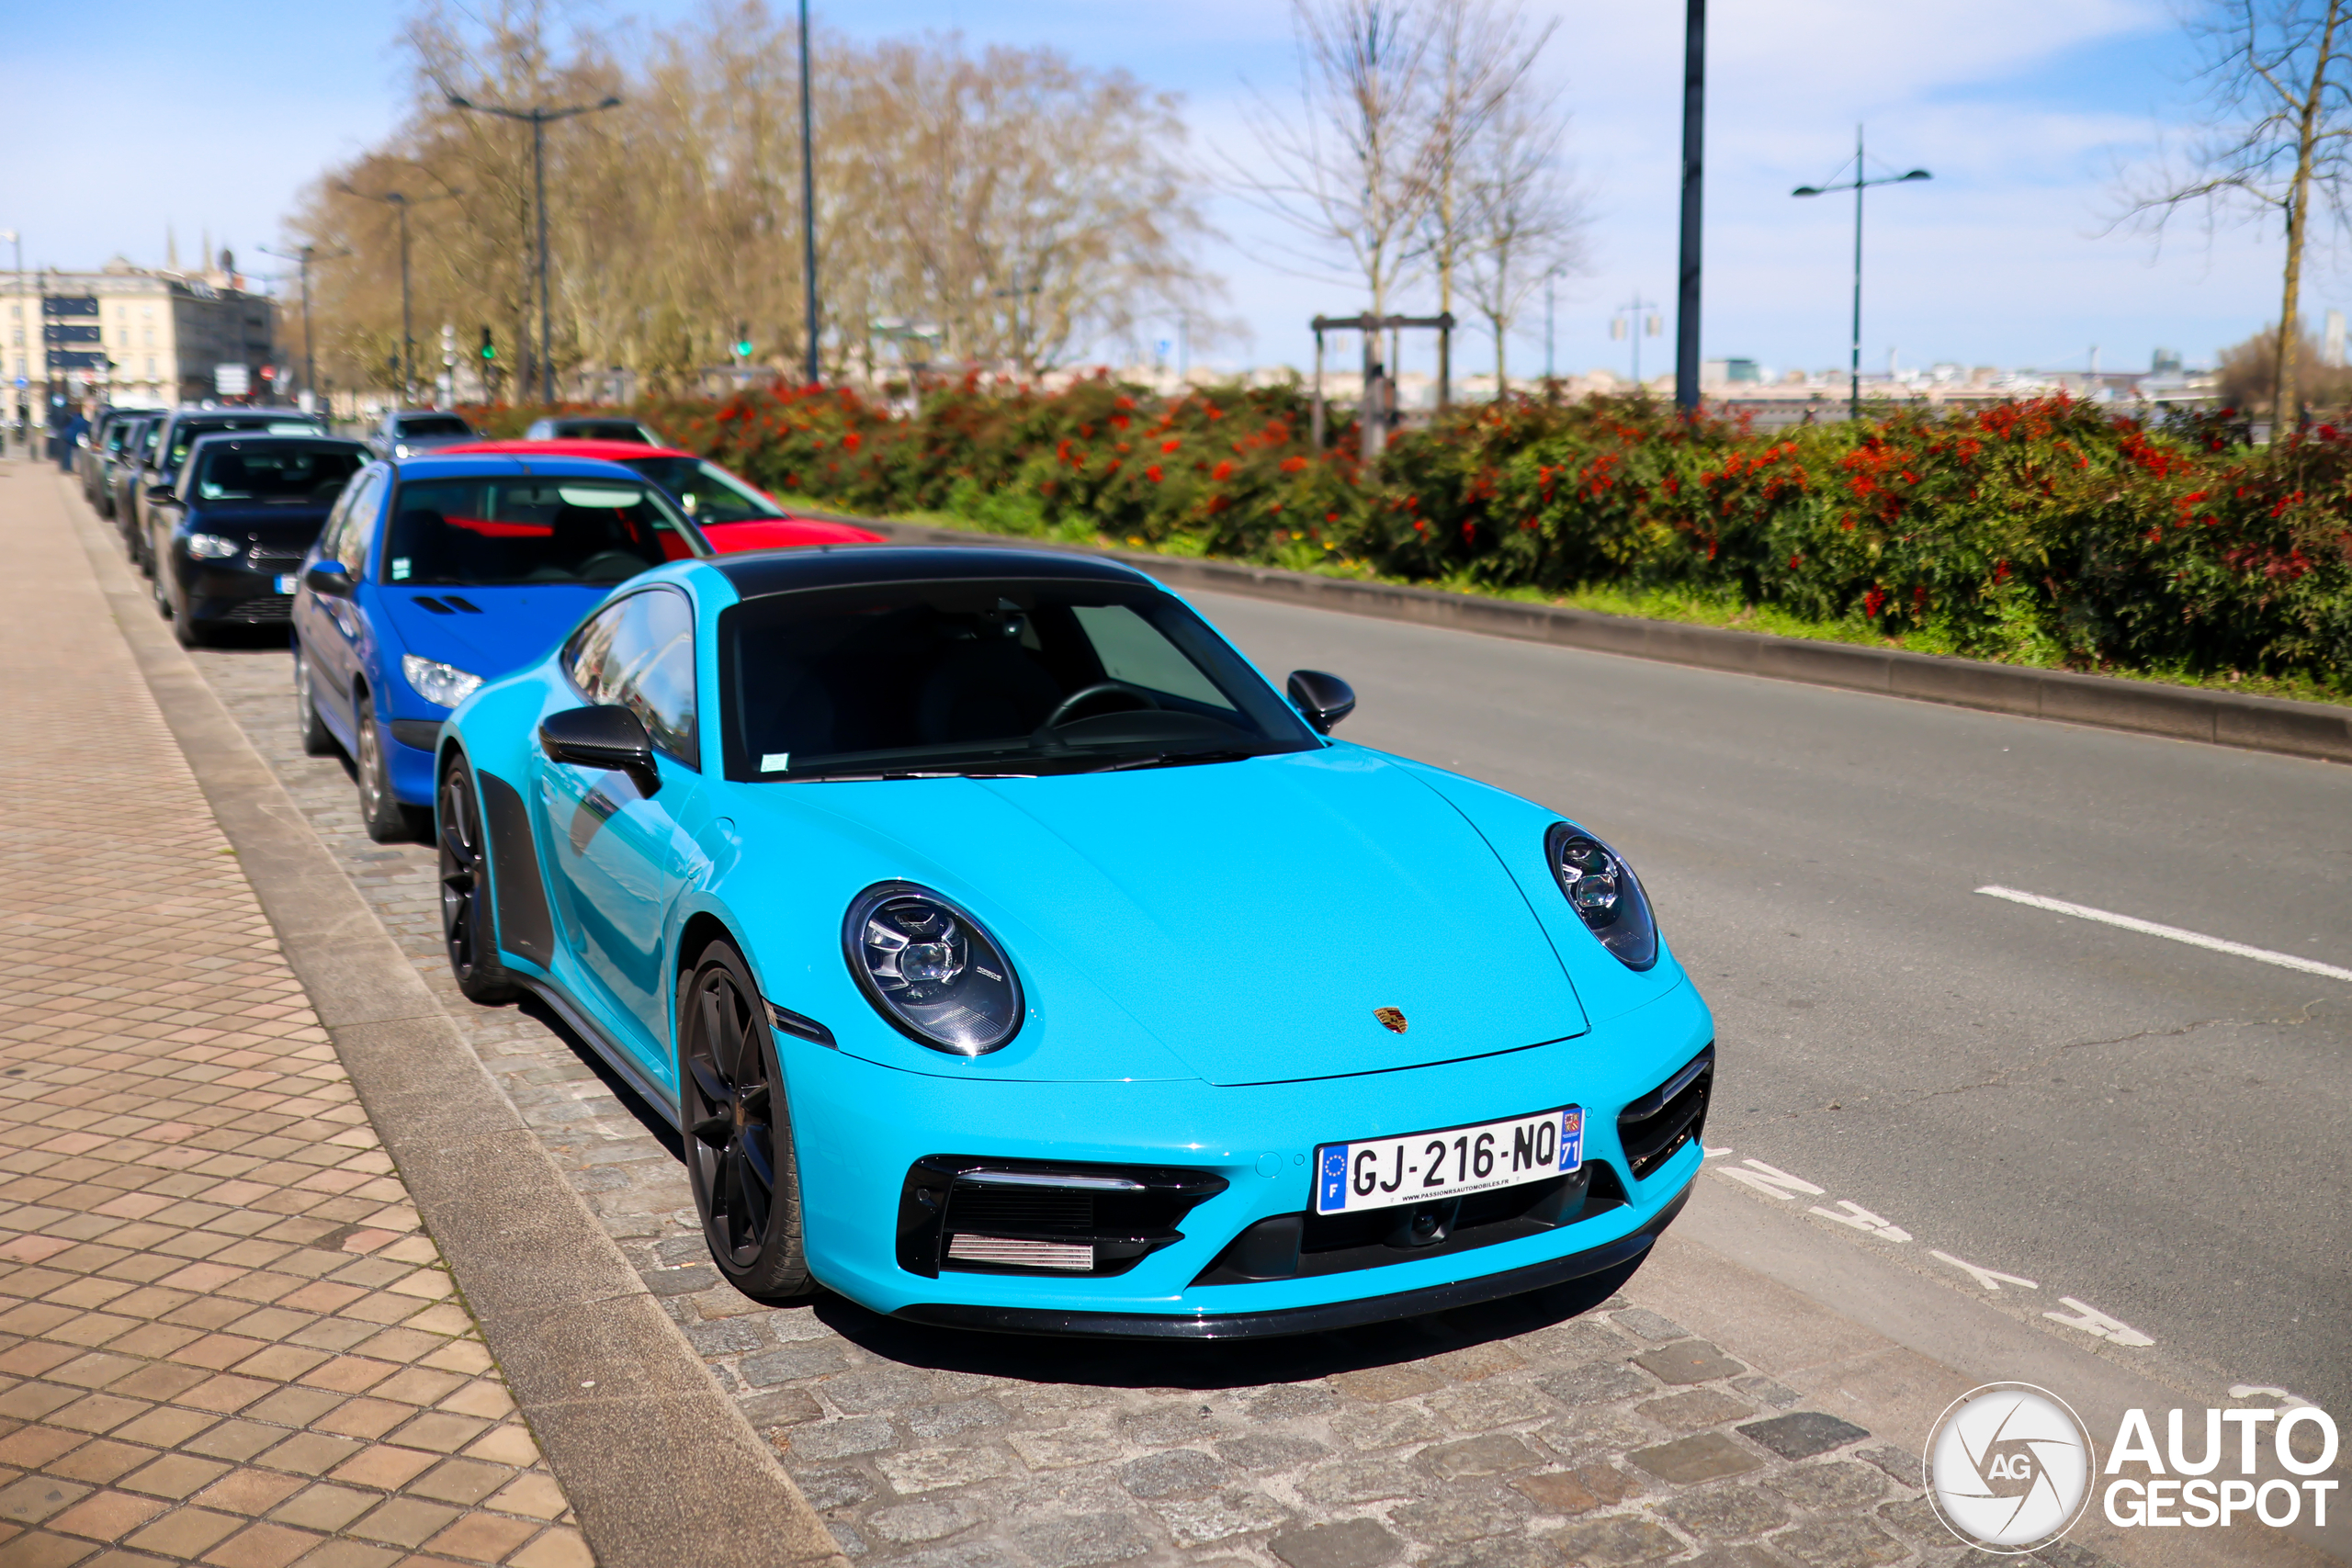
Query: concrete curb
[660,1465]
[2317,730]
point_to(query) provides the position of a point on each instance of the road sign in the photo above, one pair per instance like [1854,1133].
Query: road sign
[232,380]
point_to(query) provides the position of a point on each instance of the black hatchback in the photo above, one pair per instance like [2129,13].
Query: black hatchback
[229,537]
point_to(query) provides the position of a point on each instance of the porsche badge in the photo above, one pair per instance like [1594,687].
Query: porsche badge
[1390,1018]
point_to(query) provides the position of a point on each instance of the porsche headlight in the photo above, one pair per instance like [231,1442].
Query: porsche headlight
[438,683]
[931,969]
[1605,894]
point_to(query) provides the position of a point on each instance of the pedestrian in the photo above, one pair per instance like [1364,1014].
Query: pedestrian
[69,438]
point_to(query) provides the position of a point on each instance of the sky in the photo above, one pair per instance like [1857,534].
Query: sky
[2026,112]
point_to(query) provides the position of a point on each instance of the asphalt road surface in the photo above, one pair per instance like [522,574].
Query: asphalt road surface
[2156,1130]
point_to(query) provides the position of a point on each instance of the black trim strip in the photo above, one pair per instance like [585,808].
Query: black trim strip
[614,1057]
[1301,1320]
[525,927]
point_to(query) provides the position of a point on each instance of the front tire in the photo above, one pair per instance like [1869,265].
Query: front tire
[380,808]
[740,1158]
[467,928]
[318,740]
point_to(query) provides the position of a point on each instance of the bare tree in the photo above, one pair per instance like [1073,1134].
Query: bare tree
[2278,81]
[1523,217]
[1353,166]
[1484,58]
[1033,207]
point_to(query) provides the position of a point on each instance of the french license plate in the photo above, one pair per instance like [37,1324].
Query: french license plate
[286,583]
[1381,1173]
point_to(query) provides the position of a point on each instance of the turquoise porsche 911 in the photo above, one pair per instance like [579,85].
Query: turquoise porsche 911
[1011,955]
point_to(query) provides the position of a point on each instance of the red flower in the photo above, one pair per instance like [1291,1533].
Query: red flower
[1152,473]
[1873,602]
[851,442]
[1223,471]
[1171,444]
[1292,463]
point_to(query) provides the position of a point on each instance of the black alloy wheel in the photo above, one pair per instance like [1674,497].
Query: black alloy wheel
[740,1158]
[318,740]
[468,928]
[380,808]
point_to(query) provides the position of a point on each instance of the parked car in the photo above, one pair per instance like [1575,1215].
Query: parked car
[89,463]
[229,539]
[105,452]
[435,574]
[129,464]
[591,427]
[1010,955]
[413,432]
[160,467]
[733,514]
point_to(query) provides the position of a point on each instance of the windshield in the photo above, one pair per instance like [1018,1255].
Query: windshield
[187,433]
[506,529]
[708,492]
[1006,677]
[433,424]
[274,473]
[598,430]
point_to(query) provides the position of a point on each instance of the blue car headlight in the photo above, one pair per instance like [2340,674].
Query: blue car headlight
[931,969]
[437,683]
[1605,894]
[212,546]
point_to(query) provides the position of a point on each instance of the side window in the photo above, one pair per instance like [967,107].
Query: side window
[639,654]
[359,522]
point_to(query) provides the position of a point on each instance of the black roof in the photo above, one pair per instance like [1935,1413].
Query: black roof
[311,438]
[758,574]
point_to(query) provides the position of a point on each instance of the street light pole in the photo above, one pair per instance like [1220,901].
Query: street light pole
[538,117]
[24,415]
[1694,126]
[808,198]
[305,256]
[1860,183]
[399,202]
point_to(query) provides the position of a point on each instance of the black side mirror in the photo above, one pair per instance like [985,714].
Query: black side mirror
[1324,699]
[328,577]
[157,493]
[603,737]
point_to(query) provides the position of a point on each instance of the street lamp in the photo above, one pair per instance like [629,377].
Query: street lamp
[401,202]
[306,256]
[1859,183]
[536,117]
[24,415]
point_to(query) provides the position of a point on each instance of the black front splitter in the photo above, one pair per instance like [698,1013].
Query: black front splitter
[1305,1319]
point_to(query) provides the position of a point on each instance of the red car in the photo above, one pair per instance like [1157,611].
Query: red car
[732,514]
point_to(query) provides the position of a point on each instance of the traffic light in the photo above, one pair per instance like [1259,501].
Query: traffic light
[743,340]
[489,347]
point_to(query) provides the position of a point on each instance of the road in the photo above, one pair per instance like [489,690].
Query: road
[2156,1130]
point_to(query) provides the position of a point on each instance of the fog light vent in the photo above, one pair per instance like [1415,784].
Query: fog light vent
[1078,1259]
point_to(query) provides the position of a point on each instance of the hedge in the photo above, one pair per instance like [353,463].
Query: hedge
[2048,532]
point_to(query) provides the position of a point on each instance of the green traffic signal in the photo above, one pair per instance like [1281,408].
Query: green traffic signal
[489,349]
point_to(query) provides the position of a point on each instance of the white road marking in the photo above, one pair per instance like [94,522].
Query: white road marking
[1771,1181]
[2094,1322]
[1863,1220]
[2170,933]
[2249,1390]
[1991,1279]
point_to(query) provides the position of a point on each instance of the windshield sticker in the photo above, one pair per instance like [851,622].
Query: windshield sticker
[776,762]
[399,568]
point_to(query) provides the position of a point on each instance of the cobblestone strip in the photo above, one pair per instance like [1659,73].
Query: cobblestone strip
[1511,1437]
[223,1337]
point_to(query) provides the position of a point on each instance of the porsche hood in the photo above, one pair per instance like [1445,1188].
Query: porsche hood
[1305,916]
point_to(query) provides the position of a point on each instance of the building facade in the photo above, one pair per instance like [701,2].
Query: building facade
[130,336]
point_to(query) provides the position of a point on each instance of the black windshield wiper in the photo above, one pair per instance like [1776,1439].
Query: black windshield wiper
[1173,760]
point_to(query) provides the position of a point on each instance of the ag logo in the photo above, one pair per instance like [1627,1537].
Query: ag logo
[1390,1018]
[2009,1468]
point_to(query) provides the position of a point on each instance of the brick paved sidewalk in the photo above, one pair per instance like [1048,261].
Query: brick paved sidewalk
[223,1337]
